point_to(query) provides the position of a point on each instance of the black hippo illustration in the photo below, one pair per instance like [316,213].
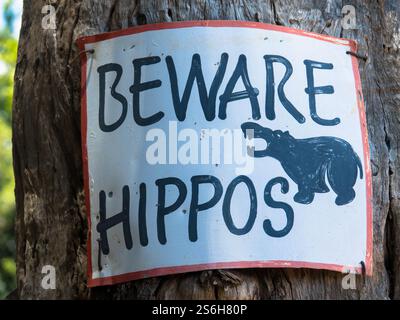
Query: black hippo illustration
[308,161]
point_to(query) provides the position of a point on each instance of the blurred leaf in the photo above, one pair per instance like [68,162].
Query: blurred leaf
[8,266]
[8,55]
[9,15]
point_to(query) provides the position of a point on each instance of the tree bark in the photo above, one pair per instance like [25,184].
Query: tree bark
[51,223]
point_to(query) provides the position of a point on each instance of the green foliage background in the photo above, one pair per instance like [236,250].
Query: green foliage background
[8,55]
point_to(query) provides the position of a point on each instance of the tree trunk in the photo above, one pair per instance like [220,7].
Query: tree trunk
[51,223]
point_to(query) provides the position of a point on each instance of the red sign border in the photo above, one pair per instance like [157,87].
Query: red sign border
[81,42]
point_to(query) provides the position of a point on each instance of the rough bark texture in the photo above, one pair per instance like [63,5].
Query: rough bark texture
[51,222]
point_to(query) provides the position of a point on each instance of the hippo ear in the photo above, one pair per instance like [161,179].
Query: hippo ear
[278,133]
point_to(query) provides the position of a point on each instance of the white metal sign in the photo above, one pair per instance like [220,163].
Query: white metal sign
[221,144]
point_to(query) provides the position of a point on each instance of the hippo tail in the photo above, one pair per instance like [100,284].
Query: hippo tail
[359,165]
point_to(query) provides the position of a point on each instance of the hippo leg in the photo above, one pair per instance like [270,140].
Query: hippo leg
[304,196]
[342,175]
[345,198]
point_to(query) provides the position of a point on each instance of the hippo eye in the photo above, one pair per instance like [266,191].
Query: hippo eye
[278,133]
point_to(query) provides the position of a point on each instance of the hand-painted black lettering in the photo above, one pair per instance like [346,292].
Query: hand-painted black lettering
[139,86]
[107,223]
[142,216]
[162,210]
[250,92]
[195,207]
[207,100]
[103,70]
[269,230]
[226,207]
[270,88]
[311,90]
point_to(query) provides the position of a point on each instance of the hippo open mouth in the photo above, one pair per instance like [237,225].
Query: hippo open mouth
[251,131]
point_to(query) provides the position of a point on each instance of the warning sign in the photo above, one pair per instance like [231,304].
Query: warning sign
[221,144]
